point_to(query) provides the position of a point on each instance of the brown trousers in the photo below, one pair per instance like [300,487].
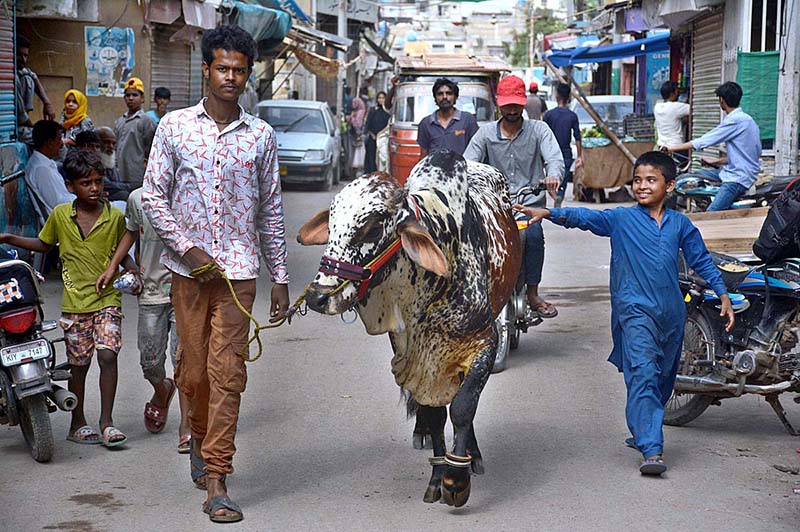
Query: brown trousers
[210,369]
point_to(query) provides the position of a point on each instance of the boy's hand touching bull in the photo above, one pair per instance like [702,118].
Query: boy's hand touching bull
[536,215]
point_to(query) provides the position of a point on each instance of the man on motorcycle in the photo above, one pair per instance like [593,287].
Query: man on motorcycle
[742,139]
[527,152]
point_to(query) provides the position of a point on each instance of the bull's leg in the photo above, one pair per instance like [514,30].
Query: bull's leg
[421,439]
[435,418]
[456,480]
[474,452]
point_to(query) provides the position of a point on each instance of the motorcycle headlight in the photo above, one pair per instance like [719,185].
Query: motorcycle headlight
[314,155]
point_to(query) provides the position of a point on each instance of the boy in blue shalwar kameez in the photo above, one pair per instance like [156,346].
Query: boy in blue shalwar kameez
[647,308]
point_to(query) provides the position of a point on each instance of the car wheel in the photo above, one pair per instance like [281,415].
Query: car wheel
[328,182]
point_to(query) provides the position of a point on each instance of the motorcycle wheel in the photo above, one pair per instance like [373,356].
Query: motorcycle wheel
[513,340]
[504,324]
[699,344]
[34,420]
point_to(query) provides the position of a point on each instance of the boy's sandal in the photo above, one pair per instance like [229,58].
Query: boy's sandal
[185,444]
[113,437]
[233,511]
[653,466]
[85,435]
[630,442]
[155,417]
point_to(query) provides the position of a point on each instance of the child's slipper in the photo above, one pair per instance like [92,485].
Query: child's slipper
[654,466]
[113,437]
[155,417]
[85,435]
[184,444]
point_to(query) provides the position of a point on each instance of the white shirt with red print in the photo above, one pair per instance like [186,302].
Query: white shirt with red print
[217,190]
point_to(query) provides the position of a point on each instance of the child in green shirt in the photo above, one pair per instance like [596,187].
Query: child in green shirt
[87,232]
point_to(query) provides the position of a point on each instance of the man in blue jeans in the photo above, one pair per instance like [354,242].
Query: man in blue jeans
[742,139]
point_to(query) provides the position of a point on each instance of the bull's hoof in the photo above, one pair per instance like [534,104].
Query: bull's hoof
[477,465]
[456,486]
[422,441]
[432,494]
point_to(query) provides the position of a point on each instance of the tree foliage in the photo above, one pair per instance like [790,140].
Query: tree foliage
[544,24]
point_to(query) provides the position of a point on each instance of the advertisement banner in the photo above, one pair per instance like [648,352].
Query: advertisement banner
[109,60]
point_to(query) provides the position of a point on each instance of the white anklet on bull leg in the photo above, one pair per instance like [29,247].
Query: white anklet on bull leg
[437,460]
[457,461]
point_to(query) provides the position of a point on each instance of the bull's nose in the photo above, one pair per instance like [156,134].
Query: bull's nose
[317,300]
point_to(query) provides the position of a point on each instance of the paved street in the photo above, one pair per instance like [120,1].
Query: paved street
[324,443]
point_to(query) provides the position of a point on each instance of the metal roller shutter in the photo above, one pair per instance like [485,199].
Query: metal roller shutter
[706,76]
[171,66]
[8,100]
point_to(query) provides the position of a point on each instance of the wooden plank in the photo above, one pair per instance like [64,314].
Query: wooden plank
[729,214]
[730,246]
[732,231]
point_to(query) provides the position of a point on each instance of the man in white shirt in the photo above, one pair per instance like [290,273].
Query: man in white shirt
[671,115]
[41,173]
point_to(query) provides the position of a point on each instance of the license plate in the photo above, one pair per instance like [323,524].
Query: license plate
[282,170]
[27,352]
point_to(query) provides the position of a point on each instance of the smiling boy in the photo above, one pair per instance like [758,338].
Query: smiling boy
[647,308]
[87,232]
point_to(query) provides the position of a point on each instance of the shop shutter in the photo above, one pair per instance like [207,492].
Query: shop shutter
[171,66]
[8,100]
[706,77]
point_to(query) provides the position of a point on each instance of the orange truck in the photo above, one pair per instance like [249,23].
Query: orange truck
[477,78]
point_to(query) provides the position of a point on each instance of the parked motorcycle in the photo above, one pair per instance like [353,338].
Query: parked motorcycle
[27,358]
[517,316]
[694,191]
[761,355]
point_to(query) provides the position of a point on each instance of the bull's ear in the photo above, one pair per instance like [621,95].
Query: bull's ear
[315,231]
[419,245]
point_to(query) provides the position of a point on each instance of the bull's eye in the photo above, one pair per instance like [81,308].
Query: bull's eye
[373,234]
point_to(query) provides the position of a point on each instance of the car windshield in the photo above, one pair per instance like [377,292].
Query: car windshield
[295,119]
[608,111]
[415,101]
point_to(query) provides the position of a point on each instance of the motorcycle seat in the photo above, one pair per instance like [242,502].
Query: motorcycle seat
[733,271]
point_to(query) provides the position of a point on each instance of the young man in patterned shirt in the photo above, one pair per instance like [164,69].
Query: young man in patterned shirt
[212,193]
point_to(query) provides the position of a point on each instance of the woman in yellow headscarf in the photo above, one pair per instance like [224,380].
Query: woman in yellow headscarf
[74,118]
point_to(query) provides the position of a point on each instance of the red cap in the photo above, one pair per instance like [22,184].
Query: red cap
[511,90]
[533,86]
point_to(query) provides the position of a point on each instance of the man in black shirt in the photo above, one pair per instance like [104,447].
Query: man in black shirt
[564,124]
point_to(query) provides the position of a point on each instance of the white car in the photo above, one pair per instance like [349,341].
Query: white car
[308,139]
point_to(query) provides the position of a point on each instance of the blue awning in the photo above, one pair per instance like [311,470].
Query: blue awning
[290,6]
[601,54]
[263,23]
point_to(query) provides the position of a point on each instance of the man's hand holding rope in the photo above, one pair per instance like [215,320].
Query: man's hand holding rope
[280,302]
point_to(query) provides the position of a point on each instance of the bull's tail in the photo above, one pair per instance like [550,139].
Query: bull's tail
[411,405]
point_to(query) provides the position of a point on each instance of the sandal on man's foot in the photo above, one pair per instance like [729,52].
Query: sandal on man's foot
[541,307]
[233,512]
[185,444]
[85,435]
[113,437]
[197,468]
[654,466]
[630,442]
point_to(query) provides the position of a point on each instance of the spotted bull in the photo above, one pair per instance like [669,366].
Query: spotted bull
[444,255]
